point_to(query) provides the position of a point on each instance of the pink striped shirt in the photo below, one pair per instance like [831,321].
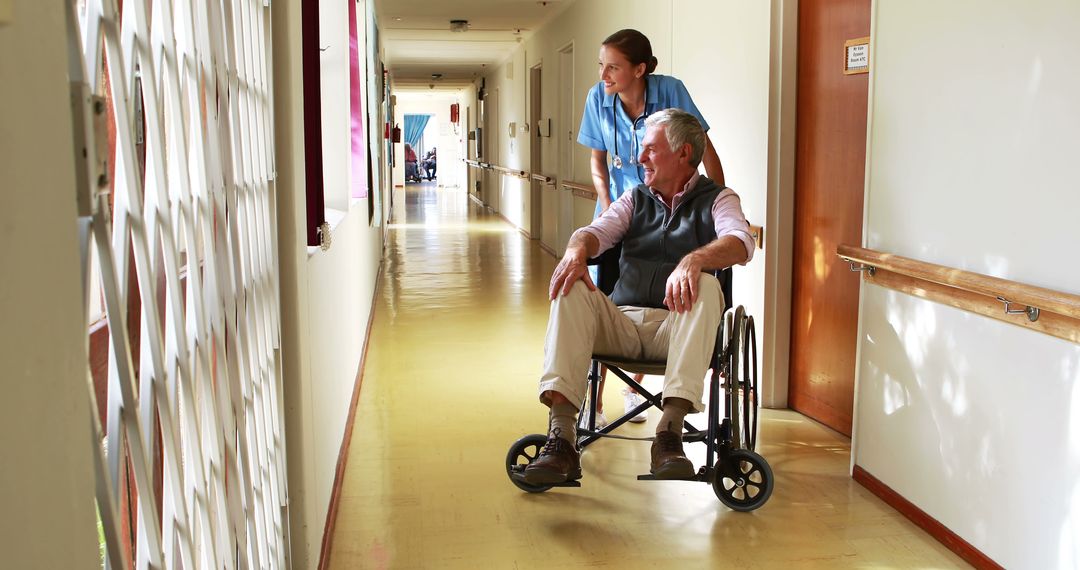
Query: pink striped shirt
[728,219]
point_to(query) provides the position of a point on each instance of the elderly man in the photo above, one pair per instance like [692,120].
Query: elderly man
[674,228]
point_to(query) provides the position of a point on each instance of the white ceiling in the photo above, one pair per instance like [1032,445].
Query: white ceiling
[418,42]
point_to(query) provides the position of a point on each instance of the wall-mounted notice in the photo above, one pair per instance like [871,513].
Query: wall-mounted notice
[857,56]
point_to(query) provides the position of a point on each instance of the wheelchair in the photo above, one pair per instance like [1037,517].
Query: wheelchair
[741,478]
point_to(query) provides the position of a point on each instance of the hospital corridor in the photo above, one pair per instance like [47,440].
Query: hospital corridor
[555,284]
[449,383]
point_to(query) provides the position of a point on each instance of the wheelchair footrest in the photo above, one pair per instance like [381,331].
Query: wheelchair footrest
[651,477]
[518,475]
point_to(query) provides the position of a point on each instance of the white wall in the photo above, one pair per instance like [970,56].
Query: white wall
[721,53]
[46,480]
[325,295]
[511,195]
[970,165]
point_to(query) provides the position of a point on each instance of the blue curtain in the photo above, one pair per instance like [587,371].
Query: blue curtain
[414,130]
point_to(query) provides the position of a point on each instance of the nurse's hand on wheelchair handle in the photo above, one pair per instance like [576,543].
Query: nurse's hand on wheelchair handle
[566,273]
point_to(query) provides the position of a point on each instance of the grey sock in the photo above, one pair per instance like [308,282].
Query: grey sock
[675,410]
[563,417]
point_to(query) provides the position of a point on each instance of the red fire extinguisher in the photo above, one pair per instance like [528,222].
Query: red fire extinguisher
[454,113]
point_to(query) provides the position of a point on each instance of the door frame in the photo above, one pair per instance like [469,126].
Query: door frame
[535,78]
[780,202]
[565,201]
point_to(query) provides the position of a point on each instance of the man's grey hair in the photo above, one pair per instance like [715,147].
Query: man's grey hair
[680,128]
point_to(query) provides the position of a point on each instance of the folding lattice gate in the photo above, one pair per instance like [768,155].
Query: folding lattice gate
[192,204]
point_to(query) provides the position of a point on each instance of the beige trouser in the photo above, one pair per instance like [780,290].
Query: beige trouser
[584,322]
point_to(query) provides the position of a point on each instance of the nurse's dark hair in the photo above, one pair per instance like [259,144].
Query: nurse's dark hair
[635,46]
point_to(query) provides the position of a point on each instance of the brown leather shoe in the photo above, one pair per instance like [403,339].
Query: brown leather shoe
[668,459]
[558,462]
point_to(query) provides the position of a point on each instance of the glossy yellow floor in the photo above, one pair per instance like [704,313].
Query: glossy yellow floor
[450,383]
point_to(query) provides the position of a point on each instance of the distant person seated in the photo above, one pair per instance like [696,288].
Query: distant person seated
[412,171]
[675,228]
[429,164]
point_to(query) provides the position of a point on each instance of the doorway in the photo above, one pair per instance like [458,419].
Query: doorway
[830,160]
[565,218]
[536,163]
[492,178]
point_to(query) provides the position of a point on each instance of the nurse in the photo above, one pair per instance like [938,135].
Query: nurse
[613,126]
[613,123]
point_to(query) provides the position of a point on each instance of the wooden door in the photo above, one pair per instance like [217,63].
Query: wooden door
[536,201]
[830,161]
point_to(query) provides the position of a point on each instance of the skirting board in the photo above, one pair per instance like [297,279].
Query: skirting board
[935,529]
[346,440]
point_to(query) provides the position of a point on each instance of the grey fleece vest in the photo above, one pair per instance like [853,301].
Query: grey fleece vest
[656,241]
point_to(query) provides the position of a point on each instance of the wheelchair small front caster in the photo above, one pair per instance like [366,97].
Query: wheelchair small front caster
[744,481]
[521,454]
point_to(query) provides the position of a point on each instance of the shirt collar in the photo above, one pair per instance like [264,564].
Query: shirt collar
[677,198]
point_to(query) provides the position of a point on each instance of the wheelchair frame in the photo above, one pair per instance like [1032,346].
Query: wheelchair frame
[740,477]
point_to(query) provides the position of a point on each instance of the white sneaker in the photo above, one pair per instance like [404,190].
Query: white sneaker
[632,400]
[583,422]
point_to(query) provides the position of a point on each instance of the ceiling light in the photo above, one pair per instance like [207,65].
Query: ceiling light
[459,25]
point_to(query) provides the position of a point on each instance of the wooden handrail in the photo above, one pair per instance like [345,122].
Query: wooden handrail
[510,171]
[1053,312]
[580,190]
[758,233]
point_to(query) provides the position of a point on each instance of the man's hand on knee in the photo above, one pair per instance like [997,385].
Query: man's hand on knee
[572,267]
[681,290]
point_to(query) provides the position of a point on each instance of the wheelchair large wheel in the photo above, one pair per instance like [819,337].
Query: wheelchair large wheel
[748,423]
[734,382]
[744,481]
[741,386]
[522,453]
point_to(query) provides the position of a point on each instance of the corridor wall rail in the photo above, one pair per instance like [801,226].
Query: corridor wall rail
[1050,312]
[202,400]
[511,172]
[545,180]
[579,190]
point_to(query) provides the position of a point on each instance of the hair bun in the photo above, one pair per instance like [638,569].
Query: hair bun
[651,67]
